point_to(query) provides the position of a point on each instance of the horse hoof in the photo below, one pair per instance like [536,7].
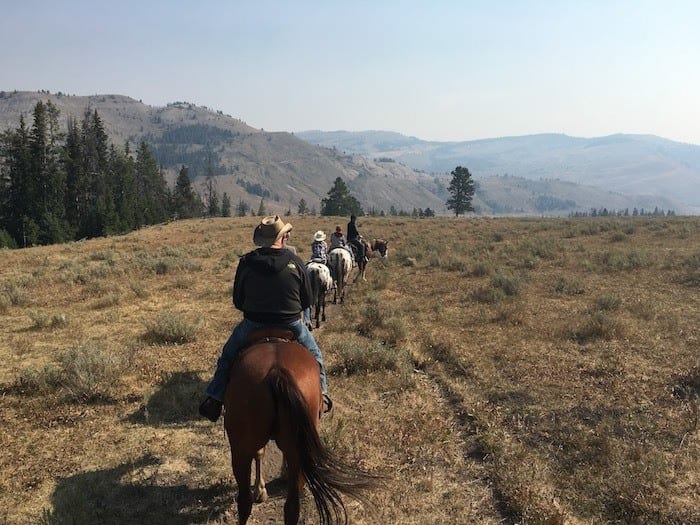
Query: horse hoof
[261,496]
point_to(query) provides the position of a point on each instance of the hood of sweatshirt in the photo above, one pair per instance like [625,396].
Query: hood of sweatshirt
[269,260]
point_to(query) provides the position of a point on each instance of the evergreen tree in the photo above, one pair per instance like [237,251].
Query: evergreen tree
[46,178]
[261,208]
[340,202]
[151,189]
[98,216]
[186,203]
[225,205]
[75,201]
[302,209]
[462,190]
[212,197]
[121,173]
[242,208]
[15,173]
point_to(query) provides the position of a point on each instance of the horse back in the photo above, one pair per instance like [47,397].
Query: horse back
[251,417]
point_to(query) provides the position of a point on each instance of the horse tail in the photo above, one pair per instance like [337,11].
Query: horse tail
[326,475]
[339,269]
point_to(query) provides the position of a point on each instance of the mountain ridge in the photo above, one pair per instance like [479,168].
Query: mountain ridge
[630,164]
[280,168]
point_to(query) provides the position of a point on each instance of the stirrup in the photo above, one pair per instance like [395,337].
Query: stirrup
[328,404]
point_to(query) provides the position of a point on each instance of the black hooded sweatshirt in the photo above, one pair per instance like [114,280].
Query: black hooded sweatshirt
[271,286]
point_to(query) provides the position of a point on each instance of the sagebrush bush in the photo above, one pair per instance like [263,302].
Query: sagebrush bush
[15,293]
[372,316]
[622,261]
[84,373]
[598,325]
[482,268]
[40,319]
[566,286]
[361,357]
[170,328]
[607,303]
[167,261]
[139,289]
[45,380]
[89,371]
[691,270]
[617,237]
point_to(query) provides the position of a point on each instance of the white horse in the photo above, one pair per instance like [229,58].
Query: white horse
[321,282]
[341,262]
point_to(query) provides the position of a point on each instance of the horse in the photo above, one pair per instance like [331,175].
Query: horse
[321,282]
[376,246]
[341,262]
[274,392]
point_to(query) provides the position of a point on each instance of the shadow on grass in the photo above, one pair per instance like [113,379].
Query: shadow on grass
[176,401]
[110,496]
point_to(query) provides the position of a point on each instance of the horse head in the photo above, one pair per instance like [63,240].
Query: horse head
[381,246]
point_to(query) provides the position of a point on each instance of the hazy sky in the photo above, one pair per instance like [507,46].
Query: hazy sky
[437,70]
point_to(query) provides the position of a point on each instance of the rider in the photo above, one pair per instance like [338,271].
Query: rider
[272,288]
[338,241]
[354,238]
[319,248]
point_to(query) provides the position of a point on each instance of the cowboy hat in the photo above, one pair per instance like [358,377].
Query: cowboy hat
[269,230]
[319,236]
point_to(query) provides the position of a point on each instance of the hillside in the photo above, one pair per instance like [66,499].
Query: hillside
[383,170]
[249,163]
[634,165]
[494,370]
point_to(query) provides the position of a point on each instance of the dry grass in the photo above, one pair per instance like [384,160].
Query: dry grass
[495,370]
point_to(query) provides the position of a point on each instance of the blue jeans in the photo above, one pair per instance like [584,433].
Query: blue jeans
[237,339]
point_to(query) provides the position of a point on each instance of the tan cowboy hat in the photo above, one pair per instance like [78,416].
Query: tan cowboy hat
[319,236]
[269,230]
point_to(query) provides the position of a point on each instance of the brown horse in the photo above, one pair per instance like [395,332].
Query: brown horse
[274,393]
[377,246]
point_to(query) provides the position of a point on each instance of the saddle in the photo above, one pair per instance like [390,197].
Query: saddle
[269,334]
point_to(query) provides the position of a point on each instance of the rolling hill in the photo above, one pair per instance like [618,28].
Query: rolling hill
[383,170]
[642,165]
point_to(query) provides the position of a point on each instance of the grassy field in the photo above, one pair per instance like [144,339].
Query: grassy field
[494,370]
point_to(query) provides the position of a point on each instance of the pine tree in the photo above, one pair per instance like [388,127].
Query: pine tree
[462,189]
[339,201]
[212,197]
[261,208]
[46,181]
[151,189]
[75,200]
[242,208]
[98,216]
[302,209]
[15,172]
[186,203]
[225,205]
[121,172]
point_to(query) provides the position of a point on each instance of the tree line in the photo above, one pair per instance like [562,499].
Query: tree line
[59,186]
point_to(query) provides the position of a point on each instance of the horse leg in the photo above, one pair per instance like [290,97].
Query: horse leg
[323,308]
[260,492]
[295,484]
[241,471]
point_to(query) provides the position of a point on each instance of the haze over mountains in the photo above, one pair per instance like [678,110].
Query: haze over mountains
[546,174]
[642,165]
